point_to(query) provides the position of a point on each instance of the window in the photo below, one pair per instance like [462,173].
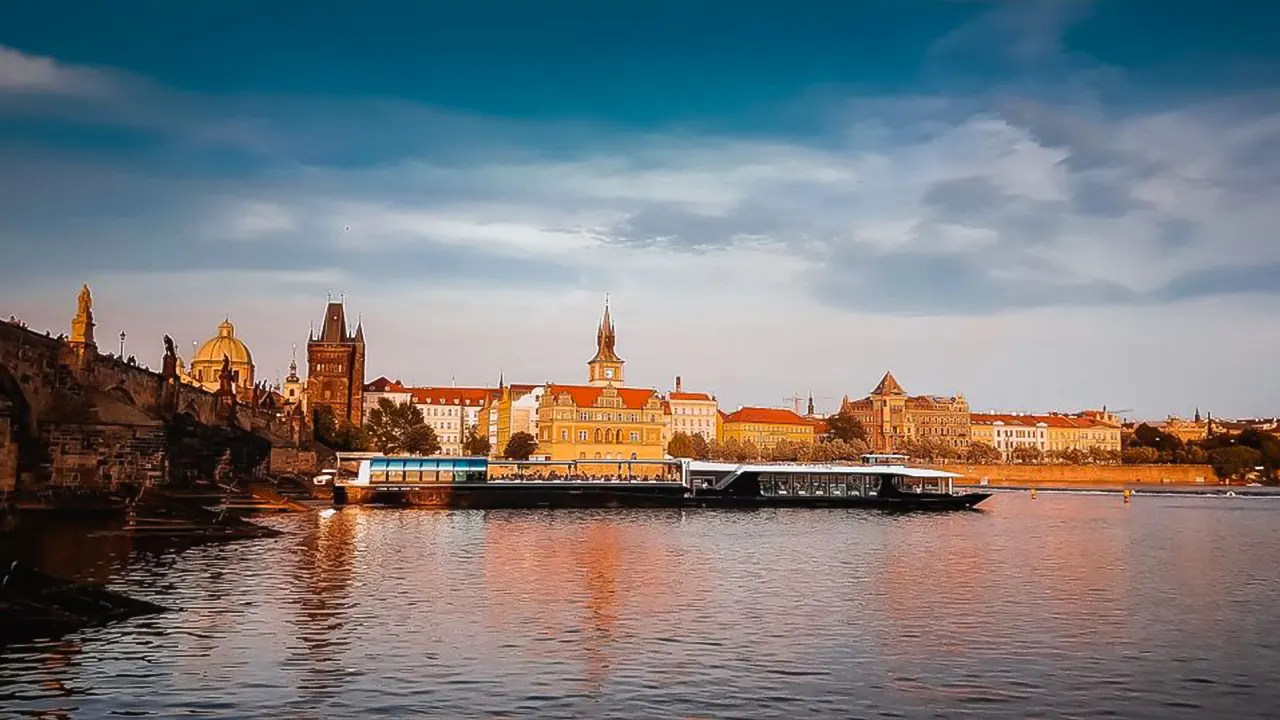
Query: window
[582,436]
[635,438]
[564,434]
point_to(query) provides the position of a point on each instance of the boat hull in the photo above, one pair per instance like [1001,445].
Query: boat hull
[534,496]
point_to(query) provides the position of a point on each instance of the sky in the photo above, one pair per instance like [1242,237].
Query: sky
[1043,205]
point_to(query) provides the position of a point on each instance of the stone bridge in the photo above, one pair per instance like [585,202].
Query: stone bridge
[73,418]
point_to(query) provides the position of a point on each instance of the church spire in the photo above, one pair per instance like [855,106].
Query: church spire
[605,367]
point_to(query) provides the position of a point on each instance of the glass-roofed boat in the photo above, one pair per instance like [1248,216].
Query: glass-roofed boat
[885,481]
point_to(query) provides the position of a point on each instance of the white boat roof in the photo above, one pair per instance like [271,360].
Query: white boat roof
[894,470]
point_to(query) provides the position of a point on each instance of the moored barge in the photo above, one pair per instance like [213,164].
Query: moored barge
[884,482]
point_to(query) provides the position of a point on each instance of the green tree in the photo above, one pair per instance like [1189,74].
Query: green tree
[1140,455]
[1027,455]
[520,446]
[1146,436]
[1070,456]
[476,444]
[701,449]
[785,451]
[734,450]
[399,428]
[1234,462]
[1103,457]
[341,436]
[844,426]
[982,453]
[680,446]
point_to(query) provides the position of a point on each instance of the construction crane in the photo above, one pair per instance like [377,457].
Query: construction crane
[799,404]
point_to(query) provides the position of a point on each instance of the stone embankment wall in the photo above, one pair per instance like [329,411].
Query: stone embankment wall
[99,456]
[8,457]
[295,461]
[1085,475]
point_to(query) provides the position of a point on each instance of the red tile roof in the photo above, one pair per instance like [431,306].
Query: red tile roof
[586,395]
[449,395]
[383,384]
[770,416]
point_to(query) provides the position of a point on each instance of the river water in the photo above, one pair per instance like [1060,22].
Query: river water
[1058,606]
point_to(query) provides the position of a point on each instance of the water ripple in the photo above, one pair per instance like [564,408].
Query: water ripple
[1064,606]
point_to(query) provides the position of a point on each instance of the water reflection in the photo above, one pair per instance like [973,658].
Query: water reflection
[1163,608]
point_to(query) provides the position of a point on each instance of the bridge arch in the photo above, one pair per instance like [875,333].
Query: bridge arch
[120,392]
[22,431]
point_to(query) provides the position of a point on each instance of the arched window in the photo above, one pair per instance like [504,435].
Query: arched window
[617,433]
[633,456]
[608,436]
[597,454]
[582,456]
[599,437]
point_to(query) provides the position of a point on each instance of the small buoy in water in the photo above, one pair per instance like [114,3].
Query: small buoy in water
[328,513]
[1126,495]
[1033,493]
[1231,493]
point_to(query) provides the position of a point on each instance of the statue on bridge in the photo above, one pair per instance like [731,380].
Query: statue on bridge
[226,378]
[82,324]
[169,370]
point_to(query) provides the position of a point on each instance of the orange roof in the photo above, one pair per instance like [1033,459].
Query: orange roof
[449,395]
[382,384]
[770,416]
[1051,420]
[586,395]
[820,427]
[689,396]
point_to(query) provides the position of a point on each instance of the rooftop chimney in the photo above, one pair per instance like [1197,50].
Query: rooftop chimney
[678,383]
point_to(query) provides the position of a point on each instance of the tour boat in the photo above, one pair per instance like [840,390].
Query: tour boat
[880,481]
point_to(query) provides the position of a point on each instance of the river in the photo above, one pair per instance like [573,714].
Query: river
[1061,605]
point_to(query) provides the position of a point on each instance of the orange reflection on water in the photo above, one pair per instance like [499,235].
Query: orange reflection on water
[602,578]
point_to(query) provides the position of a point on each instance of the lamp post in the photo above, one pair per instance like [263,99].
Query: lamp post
[122,336]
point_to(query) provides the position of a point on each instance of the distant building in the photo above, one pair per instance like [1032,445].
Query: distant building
[1188,431]
[766,427]
[1010,432]
[601,420]
[692,413]
[450,411]
[206,363]
[1053,432]
[511,409]
[892,417]
[335,366]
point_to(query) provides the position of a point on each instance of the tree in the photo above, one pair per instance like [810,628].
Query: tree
[341,436]
[1146,436]
[982,453]
[520,446]
[680,446]
[1233,462]
[1070,456]
[1102,456]
[844,426]
[399,428]
[701,449]
[476,444]
[733,450]
[1027,454]
[785,451]
[1140,455]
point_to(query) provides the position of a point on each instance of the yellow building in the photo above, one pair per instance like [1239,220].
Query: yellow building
[982,433]
[1188,431]
[766,427]
[601,420]
[206,364]
[511,409]
[1079,432]
[891,417]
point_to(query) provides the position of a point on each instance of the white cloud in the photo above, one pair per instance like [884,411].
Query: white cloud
[34,74]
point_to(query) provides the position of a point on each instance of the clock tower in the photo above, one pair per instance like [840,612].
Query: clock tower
[606,367]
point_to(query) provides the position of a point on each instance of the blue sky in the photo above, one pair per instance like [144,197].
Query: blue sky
[1045,205]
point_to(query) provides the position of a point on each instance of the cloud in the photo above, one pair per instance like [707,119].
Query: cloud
[21,73]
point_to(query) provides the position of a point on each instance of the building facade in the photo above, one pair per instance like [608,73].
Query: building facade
[449,411]
[691,413]
[601,420]
[335,366]
[892,417]
[1010,432]
[766,427]
[512,409]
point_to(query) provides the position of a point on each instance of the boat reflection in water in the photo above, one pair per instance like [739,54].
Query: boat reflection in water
[881,481]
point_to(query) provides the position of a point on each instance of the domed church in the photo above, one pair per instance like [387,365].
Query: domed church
[206,364]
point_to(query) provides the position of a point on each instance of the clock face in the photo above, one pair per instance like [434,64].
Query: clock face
[608,372]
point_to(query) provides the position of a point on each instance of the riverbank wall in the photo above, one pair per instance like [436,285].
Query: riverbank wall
[1084,476]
